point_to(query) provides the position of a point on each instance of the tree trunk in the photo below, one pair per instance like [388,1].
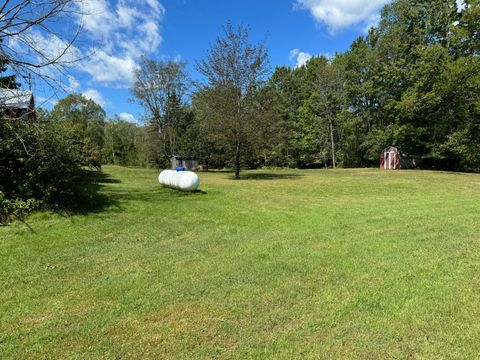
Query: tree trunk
[330,123]
[237,161]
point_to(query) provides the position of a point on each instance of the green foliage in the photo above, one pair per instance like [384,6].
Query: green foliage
[120,143]
[6,81]
[40,165]
[412,82]
[11,209]
[160,89]
[233,69]
[81,121]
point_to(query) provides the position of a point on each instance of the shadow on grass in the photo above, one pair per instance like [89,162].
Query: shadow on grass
[88,197]
[179,193]
[220,171]
[92,200]
[160,194]
[266,176]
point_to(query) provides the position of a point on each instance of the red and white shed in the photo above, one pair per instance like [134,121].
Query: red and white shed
[390,159]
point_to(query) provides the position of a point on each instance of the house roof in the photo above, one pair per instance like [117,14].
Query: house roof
[15,99]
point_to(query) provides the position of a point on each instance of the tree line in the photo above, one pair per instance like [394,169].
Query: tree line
[413,82]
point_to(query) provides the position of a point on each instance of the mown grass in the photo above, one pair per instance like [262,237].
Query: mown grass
[281,265]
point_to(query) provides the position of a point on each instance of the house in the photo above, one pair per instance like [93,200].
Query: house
[187,163]
[18,104]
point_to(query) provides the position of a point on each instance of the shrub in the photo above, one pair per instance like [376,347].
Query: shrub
[16,208]
[38,166]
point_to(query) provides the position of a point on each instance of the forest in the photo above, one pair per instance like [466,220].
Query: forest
[412,82]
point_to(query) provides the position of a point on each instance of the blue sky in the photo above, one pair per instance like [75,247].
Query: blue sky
[118,32]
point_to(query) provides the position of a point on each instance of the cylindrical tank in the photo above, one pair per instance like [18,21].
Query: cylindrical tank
[182,180]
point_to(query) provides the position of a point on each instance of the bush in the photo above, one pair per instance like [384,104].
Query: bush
[16,208]
[38,166]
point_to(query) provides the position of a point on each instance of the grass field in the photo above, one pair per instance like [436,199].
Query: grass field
[280,265]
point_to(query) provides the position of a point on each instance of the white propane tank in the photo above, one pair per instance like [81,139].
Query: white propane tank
[182,180]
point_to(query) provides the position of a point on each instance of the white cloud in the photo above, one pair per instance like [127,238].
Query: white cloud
[107,68]
[73,84]
[127,117]
[300,57]
[97,18]
[156,6]
[124,30]
[50,52]
[340,14]
[51,47]
[303,58]
[94,95]
[293,54]
[126,16]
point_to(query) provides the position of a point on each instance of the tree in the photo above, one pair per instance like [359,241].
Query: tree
[160,89]
[82,121]
[120,143]
[325,101]
[292,89]
[466,34]
[30,36]
[233,70]
[421,46]
[269,130]
[40,167]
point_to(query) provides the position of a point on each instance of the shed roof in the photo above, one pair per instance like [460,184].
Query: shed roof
[15,99]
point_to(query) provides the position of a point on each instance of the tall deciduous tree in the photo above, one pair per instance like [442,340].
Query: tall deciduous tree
[292,90]
[233,69]
[160,89]
[82,121]
[325,102]
[421,45]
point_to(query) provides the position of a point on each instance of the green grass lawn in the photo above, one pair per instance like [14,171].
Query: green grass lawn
[280,265]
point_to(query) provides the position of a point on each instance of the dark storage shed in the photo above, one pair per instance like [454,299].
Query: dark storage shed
[185,162]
